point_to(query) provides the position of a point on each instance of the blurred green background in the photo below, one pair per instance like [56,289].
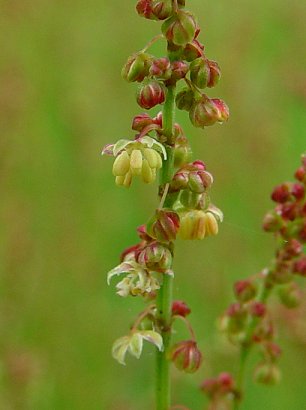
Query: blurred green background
[64,223]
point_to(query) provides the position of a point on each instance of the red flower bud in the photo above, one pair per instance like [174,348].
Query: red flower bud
[180,28]
[258,309]
[226,382]
[300,266]
[155,257]
[180,308]
[142,233]
[131,251]
[164,225]
[150,94]
[193,50]
[300,174]
[199,181]
[162,9]
[281,193]
[298,191]
[161,68]
[141,121]
[244,290]
[205,112]
[179,70]
[145,9]
[214,73]
[186,356]
[200,72]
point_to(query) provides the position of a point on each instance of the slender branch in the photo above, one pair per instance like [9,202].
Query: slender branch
[164,297]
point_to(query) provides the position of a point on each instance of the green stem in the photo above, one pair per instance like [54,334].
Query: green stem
[246,345]
[164,297]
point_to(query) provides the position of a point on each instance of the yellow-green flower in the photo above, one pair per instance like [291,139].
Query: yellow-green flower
[141,157]
[197,224]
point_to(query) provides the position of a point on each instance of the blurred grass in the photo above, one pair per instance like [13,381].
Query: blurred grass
[63,222]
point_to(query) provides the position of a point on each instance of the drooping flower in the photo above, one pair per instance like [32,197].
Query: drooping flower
[138,281]
[133,344]
[140,157]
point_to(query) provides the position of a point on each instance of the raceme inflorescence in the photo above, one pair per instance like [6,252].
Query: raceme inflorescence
[161,151]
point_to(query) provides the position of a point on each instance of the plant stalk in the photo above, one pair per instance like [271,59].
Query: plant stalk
[164,297]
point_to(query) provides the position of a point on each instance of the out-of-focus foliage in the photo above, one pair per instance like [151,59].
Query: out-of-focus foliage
[64,223]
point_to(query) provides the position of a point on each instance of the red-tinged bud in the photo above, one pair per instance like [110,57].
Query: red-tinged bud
[179,181]
[298,191]
[264,331]
[291,249]
[179,70]
[180,308]
[158,120]
[199,181]
[164,226]
[290,295]
[130,252]
[142,233]
[267,373]
[299,266]
[281,193]
[272,222]
[185,99]
[302,232]
[288,211]
[193,50]
[155,257]
[186,356]
[205,112]
[214,73]
[272,350]
[258,309]
[234,319]
[200,72]
[137,67]
[210,387]
[199,165]
[150,94]
[161,68]
[162,9]
[145,9]
[180,28]
[282,272]
[300,174]
[141,121]
[245,290]
[226,382]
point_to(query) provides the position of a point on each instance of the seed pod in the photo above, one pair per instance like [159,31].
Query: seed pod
[179,69]
[161,68]
[141,121]
[162,9]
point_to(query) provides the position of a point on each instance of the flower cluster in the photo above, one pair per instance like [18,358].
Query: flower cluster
[248,321]
[185,209]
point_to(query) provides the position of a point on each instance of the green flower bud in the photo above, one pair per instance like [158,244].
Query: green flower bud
[200,72]
[137,67]
[186,356]
[185,99]
[180,28]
